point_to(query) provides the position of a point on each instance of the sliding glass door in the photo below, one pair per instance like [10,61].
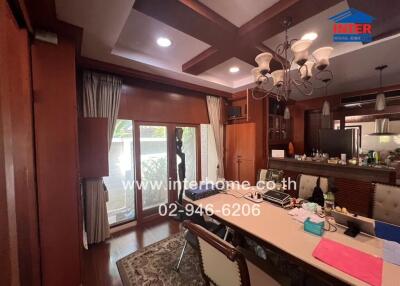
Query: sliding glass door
[153,166]
[144,163]
[120,182]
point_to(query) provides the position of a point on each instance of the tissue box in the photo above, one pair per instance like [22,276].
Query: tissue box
[314,228]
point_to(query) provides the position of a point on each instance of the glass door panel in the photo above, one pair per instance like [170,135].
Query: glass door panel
[188,153]
[121,180]
[153,165]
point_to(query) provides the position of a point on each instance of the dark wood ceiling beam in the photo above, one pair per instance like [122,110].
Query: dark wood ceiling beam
[187,16]
[206,60]
[269,22]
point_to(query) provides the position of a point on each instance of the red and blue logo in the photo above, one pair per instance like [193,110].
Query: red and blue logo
[352,25]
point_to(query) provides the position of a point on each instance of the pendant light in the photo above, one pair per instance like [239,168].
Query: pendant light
[380,98]
[326,108]
[286,113]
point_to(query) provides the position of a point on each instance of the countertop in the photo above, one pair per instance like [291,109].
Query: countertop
[383,174]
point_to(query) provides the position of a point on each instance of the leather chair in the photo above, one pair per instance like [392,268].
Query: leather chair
[386,205]
[224,265]
[307,183]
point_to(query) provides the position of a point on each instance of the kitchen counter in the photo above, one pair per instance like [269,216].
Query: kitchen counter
[381,174]
[354,184]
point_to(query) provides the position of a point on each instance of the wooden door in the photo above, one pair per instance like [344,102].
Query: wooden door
[240,152]
[246,150]
[246,170]
[230,153]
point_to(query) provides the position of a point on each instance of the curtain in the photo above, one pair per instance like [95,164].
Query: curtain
[101,97]
[214,106]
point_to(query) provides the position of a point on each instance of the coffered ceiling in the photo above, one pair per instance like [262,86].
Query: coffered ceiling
[208,37]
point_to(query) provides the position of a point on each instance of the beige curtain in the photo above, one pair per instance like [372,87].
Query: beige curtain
[214,105]
[101,97]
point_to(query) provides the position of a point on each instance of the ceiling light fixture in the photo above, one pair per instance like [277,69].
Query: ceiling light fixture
[163,42]
[279,83]
[234,69]
[310,36]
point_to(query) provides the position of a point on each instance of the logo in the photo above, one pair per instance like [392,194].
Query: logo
[352,25]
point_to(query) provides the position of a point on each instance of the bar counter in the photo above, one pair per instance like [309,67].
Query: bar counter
[354,184]
[382,175]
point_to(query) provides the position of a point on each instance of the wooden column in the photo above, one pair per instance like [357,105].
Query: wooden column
[55,110]
[18,201]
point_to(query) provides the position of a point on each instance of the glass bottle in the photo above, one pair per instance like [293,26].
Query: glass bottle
[329,204]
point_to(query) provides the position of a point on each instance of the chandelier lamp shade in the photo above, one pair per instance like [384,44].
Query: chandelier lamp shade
[299,69]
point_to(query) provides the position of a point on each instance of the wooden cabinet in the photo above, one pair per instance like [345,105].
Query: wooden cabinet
[93,147]
[279,129]
[240,152]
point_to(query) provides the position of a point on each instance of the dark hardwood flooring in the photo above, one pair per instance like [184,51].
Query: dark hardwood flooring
[100,260]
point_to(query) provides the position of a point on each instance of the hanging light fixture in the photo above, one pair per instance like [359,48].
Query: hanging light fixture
[286,113]
[326,109]
[280,83]
[380,98]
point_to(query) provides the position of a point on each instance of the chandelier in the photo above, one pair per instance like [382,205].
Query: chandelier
[309,71]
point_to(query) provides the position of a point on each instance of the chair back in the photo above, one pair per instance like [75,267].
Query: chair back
[307,183]
[221,263]
[265,175]
[386,205]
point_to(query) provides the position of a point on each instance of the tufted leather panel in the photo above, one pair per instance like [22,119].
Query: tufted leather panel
[307,184]
[387,204]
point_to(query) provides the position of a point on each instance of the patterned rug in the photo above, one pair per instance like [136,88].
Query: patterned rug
[154,265]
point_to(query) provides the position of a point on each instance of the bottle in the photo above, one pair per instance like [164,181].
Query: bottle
[329,204]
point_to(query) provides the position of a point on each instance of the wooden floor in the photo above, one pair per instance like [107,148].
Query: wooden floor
[100,260]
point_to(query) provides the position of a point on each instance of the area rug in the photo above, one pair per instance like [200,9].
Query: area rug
[154,265]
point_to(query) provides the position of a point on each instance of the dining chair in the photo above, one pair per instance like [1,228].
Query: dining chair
[224,265]
[307,183]
[386,204]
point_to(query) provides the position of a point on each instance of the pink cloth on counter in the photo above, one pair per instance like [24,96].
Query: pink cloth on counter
[356,263]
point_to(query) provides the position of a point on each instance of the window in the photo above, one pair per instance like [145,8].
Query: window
[121,181]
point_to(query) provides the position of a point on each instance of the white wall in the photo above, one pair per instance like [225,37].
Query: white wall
[209,159]
[378,143]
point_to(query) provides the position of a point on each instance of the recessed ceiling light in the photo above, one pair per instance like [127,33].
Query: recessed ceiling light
[310,36]
[163,42]
[234,69]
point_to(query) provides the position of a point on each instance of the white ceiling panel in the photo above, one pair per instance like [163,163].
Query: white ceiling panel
[221,74]
[238,12]
[138,42]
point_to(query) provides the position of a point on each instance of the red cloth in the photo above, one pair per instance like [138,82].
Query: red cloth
[356,263]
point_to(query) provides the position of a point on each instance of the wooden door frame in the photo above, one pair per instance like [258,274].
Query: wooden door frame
[145,216]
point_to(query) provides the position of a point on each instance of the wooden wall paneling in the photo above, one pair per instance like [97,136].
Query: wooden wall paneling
[57,161]
[15,60]
[93,147]
[149,102]
[86,63]
[9,274]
